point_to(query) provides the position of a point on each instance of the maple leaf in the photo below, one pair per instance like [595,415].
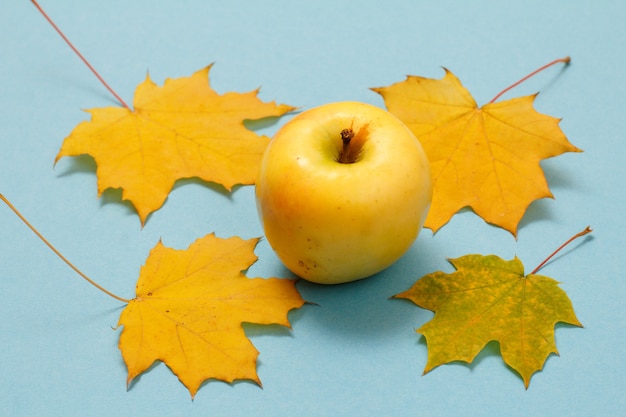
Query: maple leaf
[486,158]
[189,310]
[181,130]
[490,299]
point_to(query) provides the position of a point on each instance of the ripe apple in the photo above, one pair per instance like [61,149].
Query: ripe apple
[343,192]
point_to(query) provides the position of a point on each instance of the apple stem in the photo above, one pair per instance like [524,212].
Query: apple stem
[352,144]
[346,138]
[576,236]
[566,60]
[122,102]
[64,259]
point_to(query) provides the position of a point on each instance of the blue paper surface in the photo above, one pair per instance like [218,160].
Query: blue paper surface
[354,353]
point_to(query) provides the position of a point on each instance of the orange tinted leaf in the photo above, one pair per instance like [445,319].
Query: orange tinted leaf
[181,130]
[487,299]
[189,310]
[486,158]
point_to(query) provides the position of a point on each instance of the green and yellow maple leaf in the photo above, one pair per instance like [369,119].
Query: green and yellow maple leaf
[490,299]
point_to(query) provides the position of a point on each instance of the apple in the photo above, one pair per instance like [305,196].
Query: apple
[343,191]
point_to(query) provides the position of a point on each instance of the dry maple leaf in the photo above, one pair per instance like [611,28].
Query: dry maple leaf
[490,299]
[181,130]
[189,310]
[190,306]
[486,158]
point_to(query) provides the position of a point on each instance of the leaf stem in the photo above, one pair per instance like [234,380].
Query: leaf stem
[566,60]
[122,102]
[63,258]
[576,236]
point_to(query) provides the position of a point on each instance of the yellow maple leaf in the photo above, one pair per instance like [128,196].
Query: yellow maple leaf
[490,299]
[181,130]
[189,310]
[486,158]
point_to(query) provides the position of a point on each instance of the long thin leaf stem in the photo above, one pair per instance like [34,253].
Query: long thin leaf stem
[93,70]
[576,236]
[63,258]
[566,60]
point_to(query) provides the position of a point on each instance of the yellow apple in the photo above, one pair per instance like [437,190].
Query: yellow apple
[343,192]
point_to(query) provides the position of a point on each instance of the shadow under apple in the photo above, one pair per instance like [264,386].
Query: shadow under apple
[365,309]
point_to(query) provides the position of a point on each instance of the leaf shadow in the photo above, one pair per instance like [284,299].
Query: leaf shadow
[276,330]
[563,325]
[572,248]
[113,196]
[231,384]
[265,123]
[155,367]
[538,211]
[555,78]
[557,177]
[213,186]
[541,209]
[135,380]
[81,164]
[86,164]
[490,350]
[256,125]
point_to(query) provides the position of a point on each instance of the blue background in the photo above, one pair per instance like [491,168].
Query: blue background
[355,352]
